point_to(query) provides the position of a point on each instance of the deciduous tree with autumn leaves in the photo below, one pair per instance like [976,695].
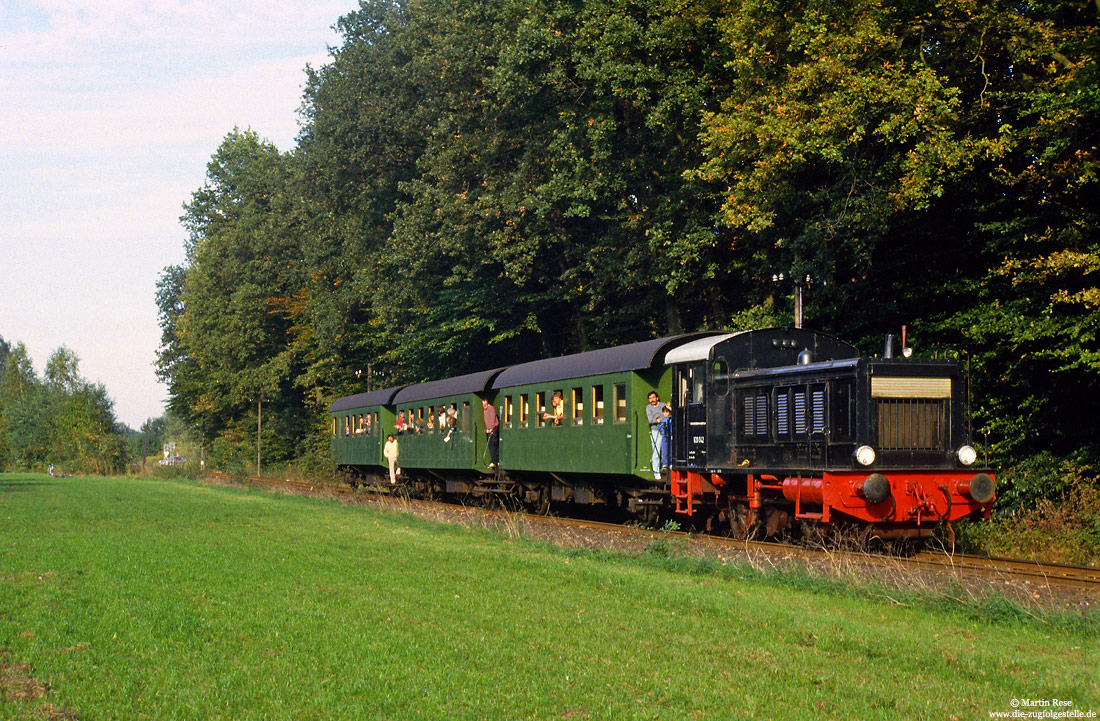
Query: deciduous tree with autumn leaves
[489,181]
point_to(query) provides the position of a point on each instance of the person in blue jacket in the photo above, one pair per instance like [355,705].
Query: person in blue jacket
[666,436]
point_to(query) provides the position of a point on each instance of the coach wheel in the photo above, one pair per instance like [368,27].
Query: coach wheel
[542,505]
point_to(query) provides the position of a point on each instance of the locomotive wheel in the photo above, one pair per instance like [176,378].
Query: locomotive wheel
[778,521]
[813,534]
[740,525]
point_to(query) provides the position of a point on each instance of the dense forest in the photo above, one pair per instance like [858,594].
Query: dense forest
[485,182]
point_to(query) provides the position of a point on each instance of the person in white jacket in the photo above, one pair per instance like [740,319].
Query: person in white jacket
[390,452]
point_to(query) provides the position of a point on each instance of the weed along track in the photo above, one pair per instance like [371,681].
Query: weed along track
[1028,582]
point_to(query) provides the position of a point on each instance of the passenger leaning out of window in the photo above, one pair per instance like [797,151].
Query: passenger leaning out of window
[557,409]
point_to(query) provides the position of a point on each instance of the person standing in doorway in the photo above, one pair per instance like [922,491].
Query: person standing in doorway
[492,432]
[666,437]
[653,415]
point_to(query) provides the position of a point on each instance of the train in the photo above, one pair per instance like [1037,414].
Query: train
[772,432]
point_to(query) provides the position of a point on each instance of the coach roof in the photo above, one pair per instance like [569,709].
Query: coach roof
[696,350]
[382,397]
[470,383]
[636,356]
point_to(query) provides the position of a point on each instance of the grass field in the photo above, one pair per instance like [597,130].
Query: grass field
[141,599]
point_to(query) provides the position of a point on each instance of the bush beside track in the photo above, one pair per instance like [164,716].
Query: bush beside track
[1067,531]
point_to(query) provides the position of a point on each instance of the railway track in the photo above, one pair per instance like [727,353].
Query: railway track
[1029,578]
[1059,574]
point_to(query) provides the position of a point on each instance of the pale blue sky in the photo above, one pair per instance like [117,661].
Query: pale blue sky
[109,112]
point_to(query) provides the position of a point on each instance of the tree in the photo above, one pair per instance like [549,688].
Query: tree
[491,178]
[1033,329]
[227,337]
[359,142]
[18,382]
[62,420]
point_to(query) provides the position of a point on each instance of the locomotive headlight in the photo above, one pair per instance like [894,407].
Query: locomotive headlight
[967,455]
[865,455]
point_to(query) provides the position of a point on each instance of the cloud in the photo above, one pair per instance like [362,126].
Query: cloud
[67,31]
[112,108]
[264,95]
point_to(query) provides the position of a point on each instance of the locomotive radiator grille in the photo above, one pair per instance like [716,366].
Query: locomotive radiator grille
[911,424]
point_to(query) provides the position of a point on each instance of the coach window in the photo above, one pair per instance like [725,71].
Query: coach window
[334,425]
[540,409]
[689,387]
[507,411]
[523,410]
[620,402]
[464,419]
[597,405]
[578,406]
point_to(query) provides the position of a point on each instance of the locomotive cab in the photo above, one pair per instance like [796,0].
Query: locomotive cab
[723,421]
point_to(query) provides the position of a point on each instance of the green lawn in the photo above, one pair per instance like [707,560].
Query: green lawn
[141,599]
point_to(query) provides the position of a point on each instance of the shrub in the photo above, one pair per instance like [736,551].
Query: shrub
[1042,477]
[1065,529]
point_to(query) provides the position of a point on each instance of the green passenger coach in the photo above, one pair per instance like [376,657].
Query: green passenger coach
[444,426]
[359,425]
[591,446]
[599,430]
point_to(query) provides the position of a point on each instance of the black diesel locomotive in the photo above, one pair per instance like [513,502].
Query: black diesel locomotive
[774,430]
[782,427]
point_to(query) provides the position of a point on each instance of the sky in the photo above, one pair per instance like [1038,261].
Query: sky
[109,112]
